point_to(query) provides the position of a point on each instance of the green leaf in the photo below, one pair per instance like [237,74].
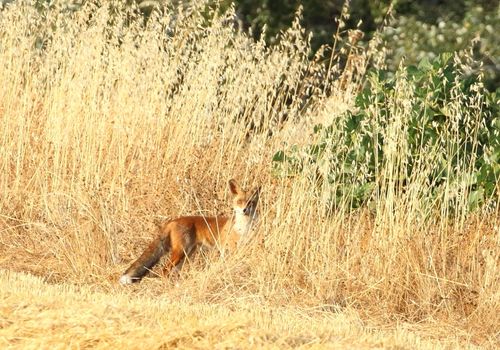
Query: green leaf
[317,128]
[424,64]
[279,156]
[446,57]
[476,198]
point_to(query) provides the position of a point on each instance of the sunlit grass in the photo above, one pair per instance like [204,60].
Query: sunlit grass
[109,125]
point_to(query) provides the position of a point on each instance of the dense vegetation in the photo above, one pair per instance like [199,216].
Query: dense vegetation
[379,174]
[411,29]
[447,140]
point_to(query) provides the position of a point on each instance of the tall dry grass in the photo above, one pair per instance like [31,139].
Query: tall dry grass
[110,123]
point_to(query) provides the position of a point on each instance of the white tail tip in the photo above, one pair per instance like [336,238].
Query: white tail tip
[126,280]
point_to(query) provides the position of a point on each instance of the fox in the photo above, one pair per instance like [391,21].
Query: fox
[182,235]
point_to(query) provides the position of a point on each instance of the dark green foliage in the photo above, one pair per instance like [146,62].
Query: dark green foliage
[451,129]
[420,29]
[318,16]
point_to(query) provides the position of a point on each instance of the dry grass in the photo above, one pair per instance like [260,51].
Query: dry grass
[108,126]
[37,315]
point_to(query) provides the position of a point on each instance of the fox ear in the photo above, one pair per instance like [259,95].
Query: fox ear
[256,193]
[234,187]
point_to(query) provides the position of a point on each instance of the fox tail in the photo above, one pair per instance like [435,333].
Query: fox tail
[147,260]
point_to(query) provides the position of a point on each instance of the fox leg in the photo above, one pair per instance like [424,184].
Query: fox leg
[176,257]
[183,243]
[147,260]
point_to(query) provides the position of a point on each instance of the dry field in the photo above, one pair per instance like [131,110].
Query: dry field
[109,125]
[38,315]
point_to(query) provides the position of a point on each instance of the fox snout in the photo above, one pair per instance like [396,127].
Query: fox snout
[247,211]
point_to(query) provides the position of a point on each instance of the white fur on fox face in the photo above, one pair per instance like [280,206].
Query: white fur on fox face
[239,210]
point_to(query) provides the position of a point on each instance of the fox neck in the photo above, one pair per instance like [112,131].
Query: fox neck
[243,224]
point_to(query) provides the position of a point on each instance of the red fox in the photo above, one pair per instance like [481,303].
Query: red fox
[180,236]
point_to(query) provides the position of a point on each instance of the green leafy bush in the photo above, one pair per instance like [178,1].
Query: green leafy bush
[413,38]
[429,132]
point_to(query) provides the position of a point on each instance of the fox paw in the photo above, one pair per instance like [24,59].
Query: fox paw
[124,279]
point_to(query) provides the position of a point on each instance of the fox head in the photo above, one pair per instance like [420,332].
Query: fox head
[244,203]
